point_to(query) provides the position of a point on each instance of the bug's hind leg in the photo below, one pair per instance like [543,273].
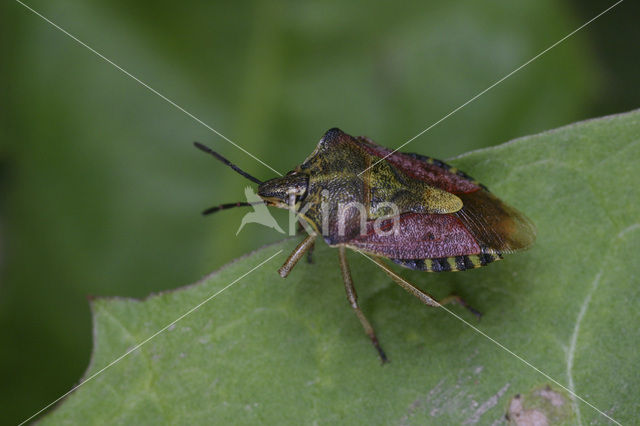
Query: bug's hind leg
[295,255]
[454,298]
[353,301]
[426,298]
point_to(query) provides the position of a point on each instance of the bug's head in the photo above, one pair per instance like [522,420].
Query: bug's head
[281,191]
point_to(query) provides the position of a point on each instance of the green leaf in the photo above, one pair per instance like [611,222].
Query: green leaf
[101,188]
[268,350]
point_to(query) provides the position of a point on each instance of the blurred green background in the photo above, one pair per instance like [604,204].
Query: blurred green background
[101,188]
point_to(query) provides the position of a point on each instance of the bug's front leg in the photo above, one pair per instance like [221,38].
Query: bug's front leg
[310,249]
[353,301]
[296,254]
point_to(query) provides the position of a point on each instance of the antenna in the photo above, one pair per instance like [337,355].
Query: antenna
[228,163]
[229,206]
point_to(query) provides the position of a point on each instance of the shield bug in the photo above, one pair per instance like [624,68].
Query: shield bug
[415,210]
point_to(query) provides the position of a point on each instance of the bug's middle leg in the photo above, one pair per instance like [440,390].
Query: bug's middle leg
[310,253]
[353,301]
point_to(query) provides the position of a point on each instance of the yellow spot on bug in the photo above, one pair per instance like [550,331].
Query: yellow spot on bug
[438,201]
[475,260]
[429,264]
[452,263]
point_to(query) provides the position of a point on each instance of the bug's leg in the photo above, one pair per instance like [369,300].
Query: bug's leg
[454,298]
[353,301]
[310,249]
[424,297]
[310,253]
[295,255]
